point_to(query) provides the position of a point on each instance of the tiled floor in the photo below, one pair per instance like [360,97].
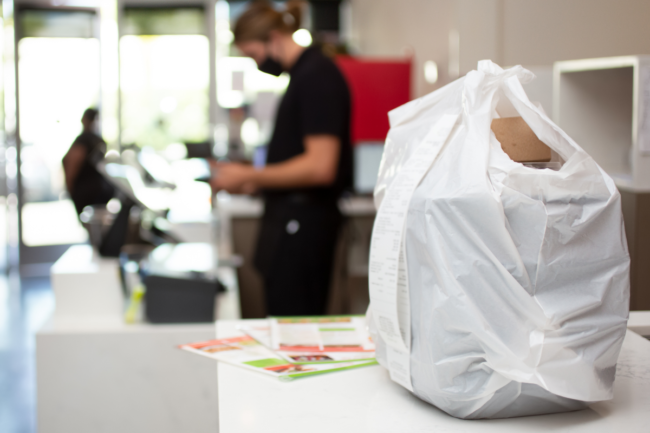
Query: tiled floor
[25,304]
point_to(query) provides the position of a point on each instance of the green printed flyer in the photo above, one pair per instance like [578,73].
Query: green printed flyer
[246,352]
[262,333]
[320,334]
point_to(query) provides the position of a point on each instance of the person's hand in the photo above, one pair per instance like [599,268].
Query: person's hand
[233,177]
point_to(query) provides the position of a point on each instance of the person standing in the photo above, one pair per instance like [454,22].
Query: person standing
[308,166]
[85,184]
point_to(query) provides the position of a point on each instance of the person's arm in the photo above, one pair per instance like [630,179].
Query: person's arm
[316,166]
[72,162]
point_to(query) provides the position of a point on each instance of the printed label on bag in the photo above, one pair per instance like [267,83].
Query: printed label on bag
[644,118]
[388,279]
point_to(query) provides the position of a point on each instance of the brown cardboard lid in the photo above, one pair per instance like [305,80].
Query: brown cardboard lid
[518,141]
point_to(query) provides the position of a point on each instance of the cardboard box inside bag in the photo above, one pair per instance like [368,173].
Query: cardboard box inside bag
[519,142]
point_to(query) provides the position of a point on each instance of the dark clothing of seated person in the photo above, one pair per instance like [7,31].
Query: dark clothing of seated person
[85,184]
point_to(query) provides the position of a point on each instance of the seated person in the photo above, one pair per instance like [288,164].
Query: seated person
[84,183]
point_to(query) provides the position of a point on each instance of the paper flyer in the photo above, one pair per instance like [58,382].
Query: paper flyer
[262,333]
[319,334]
[246,352]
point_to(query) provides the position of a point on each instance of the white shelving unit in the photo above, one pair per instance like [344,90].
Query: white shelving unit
[604,105]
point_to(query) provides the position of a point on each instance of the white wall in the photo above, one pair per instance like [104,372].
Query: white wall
[527,32]
[479,24]
[540,32]
[391,28]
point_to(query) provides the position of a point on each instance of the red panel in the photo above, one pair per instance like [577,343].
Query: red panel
[377,86]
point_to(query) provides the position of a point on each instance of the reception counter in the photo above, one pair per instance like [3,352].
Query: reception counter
[366,400]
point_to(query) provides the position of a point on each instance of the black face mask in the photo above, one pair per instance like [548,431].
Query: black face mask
[272,67]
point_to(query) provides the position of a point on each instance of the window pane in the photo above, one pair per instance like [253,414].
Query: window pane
[51,24]
[51,106]
[163,21]
[51,223]
[164,84]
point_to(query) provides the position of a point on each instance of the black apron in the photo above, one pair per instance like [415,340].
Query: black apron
[295,253]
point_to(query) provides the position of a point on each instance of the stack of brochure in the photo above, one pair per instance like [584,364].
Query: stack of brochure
[291,347]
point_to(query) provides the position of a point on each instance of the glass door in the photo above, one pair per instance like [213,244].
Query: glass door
[58,58]
[165,83]
[164,77]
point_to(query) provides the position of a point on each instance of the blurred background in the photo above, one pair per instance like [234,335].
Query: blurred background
[170,86]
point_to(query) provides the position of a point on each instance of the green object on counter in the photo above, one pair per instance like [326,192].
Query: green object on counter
[135,302]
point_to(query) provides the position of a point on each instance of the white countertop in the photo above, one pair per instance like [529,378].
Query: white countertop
[639,322]
[244,206]
[366,400]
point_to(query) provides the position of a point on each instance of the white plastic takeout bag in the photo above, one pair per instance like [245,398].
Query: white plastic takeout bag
[497,289]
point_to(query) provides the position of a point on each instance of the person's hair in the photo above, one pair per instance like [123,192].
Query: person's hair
[90,114]
[257,22]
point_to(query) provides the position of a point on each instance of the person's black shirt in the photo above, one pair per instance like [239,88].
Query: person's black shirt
[90,187]
[317,101]
[299,229]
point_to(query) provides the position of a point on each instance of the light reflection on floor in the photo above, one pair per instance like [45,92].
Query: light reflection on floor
[25,305]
